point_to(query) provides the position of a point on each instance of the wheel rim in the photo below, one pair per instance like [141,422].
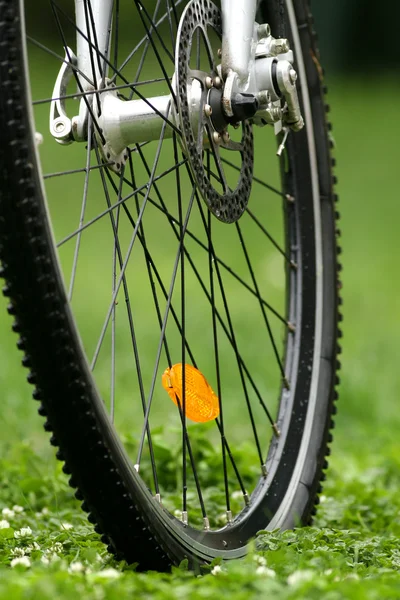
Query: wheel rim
[294,306]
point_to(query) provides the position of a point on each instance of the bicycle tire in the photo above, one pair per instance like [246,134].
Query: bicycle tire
[114,496]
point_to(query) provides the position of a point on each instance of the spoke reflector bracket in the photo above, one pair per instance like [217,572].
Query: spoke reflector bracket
[206,524]
[184,517]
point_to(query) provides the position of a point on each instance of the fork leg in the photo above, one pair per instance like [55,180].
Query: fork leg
[93,19]
[238,17]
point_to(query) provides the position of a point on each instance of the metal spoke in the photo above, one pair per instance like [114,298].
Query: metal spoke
[265,317]
[183,328]
[271,239]
[83,209]
[74,171]
[217,369]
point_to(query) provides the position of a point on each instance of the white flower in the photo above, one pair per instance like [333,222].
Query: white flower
[8,513]
[109,573]
[31,547]
[66,526]
[22,560]
[23,532]
[17,509]
[76,567]
[322,498]
[44,560]
[4,524]
[17,551]
[45,510]
[56,547]
[261,570]
[260,560]
[237,494]
[215,570]
[300,576]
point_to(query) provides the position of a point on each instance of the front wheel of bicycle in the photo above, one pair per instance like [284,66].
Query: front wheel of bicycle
[117,278]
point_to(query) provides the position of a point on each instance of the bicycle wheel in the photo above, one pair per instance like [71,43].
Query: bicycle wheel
[124,275]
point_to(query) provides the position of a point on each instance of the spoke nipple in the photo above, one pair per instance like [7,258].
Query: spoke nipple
[293,264]
[246,498]
[219,52]
[286,383]
[209,82]
[291,326]
[184,517]
[217,82]
[276,430]
[157,497]
[216,137]
[136,467]
[289,198]
[207,110]
[229,516]
[226,137]
[264,470]
[206,524]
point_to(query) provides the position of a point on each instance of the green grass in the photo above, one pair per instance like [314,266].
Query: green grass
[354,550]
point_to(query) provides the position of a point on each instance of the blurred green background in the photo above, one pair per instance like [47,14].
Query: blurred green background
[363,95]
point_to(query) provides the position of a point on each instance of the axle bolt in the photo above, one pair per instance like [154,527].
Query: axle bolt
[226,137]
[217,82]
[209,83]
[293,76]
[264,97]
[207,110]
[263,31]
[216,137]
[219,52]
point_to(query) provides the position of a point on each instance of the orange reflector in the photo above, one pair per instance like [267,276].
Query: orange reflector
[201,403]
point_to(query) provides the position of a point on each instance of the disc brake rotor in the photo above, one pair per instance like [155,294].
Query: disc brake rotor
[229,205]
